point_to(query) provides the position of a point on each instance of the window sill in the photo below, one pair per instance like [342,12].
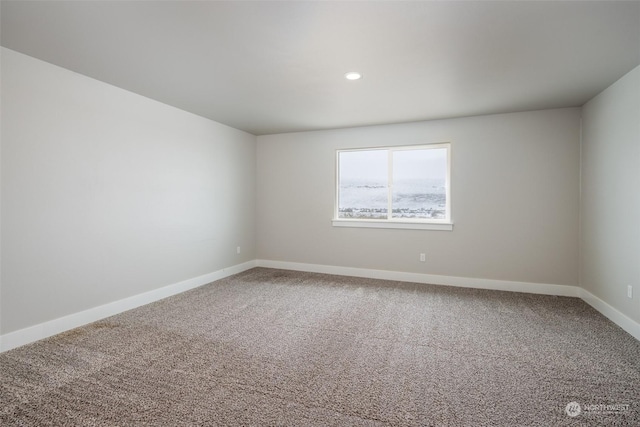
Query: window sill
[406,225]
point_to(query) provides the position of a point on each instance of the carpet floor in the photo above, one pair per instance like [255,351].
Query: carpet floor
[272,347]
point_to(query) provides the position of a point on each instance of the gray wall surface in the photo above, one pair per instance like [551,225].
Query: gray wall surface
[107,194]
[515,189]
[610,199]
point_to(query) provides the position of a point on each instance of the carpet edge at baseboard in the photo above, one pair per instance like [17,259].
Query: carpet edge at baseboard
[46,329]
[52,327]
[623,321]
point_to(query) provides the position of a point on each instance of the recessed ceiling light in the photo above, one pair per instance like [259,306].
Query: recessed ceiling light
[353,75]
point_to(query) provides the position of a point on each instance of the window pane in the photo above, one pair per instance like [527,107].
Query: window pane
[363,190]
[419,184]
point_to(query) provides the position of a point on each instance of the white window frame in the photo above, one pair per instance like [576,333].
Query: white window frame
[445,224]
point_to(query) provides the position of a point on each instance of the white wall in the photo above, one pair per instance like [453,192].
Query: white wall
[107,194]
[610,199]
[515,187]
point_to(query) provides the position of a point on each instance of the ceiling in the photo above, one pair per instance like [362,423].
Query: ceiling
[273,67]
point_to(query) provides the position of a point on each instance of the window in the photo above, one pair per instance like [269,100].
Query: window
[394,187]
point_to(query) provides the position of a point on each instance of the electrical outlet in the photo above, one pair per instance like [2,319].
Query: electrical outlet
[423,257]
[238,250]
[630,291]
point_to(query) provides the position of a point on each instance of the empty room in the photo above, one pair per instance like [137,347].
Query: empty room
[320,213]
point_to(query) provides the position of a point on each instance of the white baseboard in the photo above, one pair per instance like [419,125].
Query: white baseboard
[62,324]
[626,323]
[620,319]
[433,279]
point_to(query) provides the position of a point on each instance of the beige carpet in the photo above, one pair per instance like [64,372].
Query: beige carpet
[272,347]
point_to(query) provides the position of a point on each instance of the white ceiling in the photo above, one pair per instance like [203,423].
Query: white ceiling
[271,67]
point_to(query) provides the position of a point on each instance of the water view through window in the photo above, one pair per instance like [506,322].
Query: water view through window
[394,183]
